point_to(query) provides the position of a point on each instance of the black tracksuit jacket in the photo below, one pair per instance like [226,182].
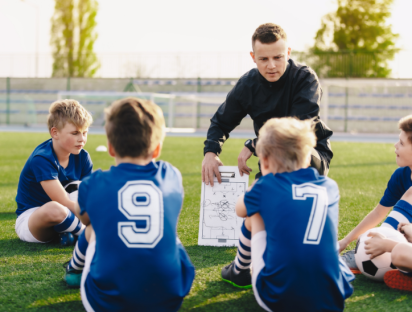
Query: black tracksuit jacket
[297,93]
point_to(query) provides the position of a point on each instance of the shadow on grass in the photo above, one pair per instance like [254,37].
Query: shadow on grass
[220,296]
[60,306]
[207,256]
[6,216]
[16,247]
[14,184]
[369,295]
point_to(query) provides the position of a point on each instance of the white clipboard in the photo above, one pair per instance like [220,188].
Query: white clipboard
[219,225]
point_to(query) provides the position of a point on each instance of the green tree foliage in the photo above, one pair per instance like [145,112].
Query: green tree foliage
[72,37]
[355,41]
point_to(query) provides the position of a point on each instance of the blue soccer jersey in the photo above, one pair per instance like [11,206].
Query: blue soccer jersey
[138,264]
[302,268]
[398,184]
[43,165]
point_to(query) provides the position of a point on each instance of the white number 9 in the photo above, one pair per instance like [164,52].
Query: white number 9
[141,201]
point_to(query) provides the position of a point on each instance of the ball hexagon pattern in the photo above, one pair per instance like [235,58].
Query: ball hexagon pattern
[376,268]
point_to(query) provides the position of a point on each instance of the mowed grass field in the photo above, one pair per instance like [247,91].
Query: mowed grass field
[31,274]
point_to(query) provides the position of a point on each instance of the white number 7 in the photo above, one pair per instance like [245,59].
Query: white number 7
[317,218]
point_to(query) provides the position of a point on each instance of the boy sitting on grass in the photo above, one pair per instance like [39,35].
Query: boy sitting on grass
[401,253]
[134,261]
[43,206]
[398,184]
[292,216]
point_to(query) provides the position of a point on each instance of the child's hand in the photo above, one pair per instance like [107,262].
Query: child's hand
[406,230]
[342,245]
[375,246]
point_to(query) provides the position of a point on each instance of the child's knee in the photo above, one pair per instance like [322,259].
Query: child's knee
[89,233]
[54,212]
[400,255]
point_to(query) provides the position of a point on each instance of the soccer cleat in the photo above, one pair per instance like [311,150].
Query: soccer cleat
[349,258]
[67,239]
[72,277]
[241,280]
[398,280]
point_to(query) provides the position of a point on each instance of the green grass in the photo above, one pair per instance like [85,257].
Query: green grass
[31,274]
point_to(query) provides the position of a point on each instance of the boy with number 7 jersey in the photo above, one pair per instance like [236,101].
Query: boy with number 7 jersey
[134,261]
[292,216]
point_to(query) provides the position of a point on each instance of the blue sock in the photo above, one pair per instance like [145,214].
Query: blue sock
[70,225]
[243,256]
[401,212]
[79,253]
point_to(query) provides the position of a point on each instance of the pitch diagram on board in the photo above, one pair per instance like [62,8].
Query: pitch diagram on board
[219,225]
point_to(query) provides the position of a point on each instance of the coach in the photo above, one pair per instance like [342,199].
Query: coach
[278,87]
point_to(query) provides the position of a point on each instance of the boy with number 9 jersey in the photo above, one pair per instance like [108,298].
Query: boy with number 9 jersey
[134,260]
[292,214]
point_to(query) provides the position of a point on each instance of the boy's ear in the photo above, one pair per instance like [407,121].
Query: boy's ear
[253,56]
[54,133]
[156,152]
[265,162]
[110,149]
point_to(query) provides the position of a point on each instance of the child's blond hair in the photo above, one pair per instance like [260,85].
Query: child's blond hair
[287,141]
[64,111]
[134,127]
[405,124]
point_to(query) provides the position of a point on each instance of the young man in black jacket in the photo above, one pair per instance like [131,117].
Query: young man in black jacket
[278,87]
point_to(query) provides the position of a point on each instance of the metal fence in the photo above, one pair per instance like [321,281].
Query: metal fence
[200,64]
[348,105]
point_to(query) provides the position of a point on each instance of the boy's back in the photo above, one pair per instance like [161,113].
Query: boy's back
[302,271]
[138,263]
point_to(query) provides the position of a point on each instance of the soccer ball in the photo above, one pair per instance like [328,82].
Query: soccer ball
[67,239]
[377,267]
[72,189]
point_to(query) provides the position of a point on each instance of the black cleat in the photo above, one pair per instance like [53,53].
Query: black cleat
[241,280]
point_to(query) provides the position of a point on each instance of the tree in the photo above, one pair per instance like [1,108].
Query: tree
[72,37]
[355,41]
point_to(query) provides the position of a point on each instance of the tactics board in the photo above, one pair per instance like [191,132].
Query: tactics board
[219,225]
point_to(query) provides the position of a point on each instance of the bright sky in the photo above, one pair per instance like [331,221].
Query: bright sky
[182,25]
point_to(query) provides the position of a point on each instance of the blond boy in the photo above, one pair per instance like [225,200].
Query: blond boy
[43,206]
[292,216]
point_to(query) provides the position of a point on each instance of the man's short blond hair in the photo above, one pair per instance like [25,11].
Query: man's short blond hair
[134,127]
[405,124]
[287,141]
[64,111]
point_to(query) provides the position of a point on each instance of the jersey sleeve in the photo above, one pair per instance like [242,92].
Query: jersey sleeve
[252,199]
[43,169]
[87,167]
[180,179]
[394,190]
[83,191]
